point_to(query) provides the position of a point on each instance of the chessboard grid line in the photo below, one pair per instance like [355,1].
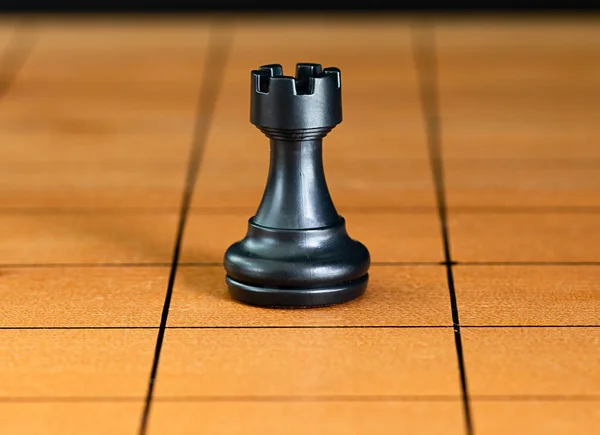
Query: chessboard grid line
[374,264]
[60,81]
[81,165]
[217,54]
[306,398]
[424,54]
[208,327]
[216,211]
[181,264]
[17,51]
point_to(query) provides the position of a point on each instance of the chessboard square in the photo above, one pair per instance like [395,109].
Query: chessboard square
[520,143]
[396,296]
[520,103]
[320,418]
[532,41]
[7,29]
[59,418]
[566,70]
[259,362]
[528,112]
[70,148]
[82,297]
[527,295]
[84,238]
[51,108]
[536,418]
[146,98]
[63,363]
[349,141]
[20,118]
[161,51]
[532,361]
[52,180]
[490,183]
[525,237]
[98,195]
[366,33]
[533,88]
[390,237]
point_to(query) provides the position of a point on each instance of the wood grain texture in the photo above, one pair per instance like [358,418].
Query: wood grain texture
[300,362]
[520,361]
[511,103]
[527,237]
[42,364]
[153,52]
[536,418]
[398,296]
[528,295]
[96,127]
[7,28]
[70,418]
[82,296]
[335,418]
[86,238]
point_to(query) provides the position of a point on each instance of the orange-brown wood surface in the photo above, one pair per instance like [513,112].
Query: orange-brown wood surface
[468,162]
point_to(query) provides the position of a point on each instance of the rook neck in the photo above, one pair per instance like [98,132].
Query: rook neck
[296,195]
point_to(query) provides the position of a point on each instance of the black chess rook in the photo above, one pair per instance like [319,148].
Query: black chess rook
[297,251]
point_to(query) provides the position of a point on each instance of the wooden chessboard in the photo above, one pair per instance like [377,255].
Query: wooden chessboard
[468,162]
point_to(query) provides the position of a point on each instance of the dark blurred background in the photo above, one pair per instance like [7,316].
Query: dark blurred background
[265,6]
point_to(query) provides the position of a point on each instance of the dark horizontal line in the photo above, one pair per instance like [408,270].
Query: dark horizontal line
[75,166]
[101,265]
[407,263]
[71,399]
[375,263]
[75,265]
[316,327]
[107,327]
[230,327]
[288,11]
[172,210]
[526,263]
[289,398]
[71,211]
[537,397]
[558,326]
[552,163]
[591,209]
[378,398]
[182,264]
[75,328]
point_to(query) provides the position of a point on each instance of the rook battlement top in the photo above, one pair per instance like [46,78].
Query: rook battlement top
[310,79]
[311,99]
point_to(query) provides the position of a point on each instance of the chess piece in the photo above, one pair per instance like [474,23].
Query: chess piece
[297,252]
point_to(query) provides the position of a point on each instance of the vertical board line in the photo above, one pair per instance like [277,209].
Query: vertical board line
[214,67]
[423,46]
[14,55]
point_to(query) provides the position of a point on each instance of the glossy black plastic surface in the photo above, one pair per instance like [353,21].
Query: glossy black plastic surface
[297,252]
[312,99]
